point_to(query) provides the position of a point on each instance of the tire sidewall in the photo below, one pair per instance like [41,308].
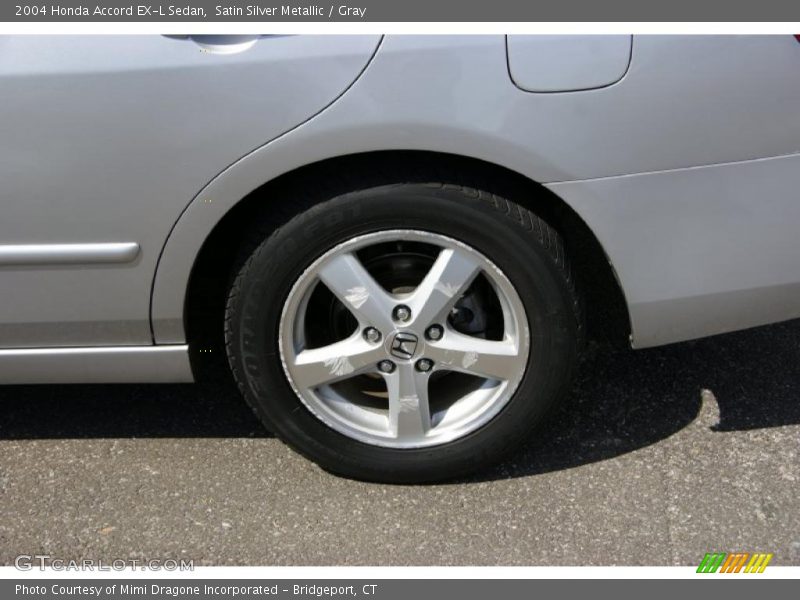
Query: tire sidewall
[481,221]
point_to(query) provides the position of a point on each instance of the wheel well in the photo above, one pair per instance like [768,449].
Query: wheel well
[606,310]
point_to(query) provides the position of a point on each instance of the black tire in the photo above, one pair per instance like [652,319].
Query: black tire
[527,250]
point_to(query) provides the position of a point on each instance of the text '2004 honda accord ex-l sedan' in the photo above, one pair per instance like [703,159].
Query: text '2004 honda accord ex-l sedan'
[399,244]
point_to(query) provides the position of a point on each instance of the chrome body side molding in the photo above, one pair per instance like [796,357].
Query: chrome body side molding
[68,254]
[113,364]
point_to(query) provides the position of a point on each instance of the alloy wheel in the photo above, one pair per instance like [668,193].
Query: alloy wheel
[404,339]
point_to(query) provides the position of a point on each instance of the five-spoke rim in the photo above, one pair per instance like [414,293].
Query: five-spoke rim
[440,383]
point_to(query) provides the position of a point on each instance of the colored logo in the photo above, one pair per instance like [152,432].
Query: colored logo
[734,562]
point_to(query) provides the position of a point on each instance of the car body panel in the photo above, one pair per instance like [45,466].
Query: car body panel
[699,251]
[106,139]
[635,126]
[148,141]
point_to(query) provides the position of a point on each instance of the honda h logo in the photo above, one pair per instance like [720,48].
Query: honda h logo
[404,345]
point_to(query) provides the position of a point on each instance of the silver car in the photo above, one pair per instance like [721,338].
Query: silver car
[399,244]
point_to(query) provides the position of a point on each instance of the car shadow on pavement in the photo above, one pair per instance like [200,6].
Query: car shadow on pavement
[623,400]
[212,410]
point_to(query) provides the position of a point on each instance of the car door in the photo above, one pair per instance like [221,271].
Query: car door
[105,140]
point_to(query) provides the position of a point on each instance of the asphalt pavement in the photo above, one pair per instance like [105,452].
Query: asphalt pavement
[658,457]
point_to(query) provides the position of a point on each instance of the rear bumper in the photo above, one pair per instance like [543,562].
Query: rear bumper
[699,251]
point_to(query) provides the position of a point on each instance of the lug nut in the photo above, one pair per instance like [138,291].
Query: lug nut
[401,313]
[424,365]
[386,366]
[372,335]
[434,332]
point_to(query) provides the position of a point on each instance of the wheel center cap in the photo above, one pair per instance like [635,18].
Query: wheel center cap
[403,345]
